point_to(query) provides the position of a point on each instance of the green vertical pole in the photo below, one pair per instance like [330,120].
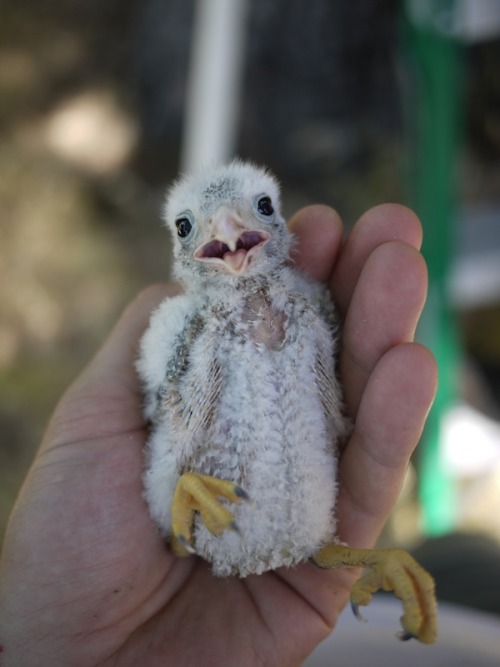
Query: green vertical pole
[436,60]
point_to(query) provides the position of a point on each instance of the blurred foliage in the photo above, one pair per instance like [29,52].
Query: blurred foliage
[74,246]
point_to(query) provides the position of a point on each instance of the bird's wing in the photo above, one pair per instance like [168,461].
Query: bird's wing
[325,328]
[173,382]
[193,380]
[329,389]
[163,347]
[326,373]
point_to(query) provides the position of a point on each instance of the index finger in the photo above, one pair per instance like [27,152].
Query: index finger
[379,225]
[318,231]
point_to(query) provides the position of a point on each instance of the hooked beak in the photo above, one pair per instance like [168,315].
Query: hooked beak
[232,246]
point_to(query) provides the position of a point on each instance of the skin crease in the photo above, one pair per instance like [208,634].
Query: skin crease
[84,578]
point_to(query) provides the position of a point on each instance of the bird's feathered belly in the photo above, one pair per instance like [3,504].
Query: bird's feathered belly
[267,432]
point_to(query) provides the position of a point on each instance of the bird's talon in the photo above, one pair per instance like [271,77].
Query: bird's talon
[390,570]
[355,610]
[241,493]
[197,493]
[185,544]
[405,635]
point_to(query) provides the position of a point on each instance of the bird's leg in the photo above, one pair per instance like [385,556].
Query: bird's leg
[199,493]
[389,570]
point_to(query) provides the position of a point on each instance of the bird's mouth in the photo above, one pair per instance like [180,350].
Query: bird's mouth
[237,258]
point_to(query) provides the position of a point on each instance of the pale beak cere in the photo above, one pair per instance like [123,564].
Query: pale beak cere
[233,244]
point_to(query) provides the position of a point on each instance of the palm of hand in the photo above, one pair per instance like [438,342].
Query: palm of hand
[85,578]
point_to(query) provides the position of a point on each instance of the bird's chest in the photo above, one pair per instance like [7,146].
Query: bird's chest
[263,325]
[260,356]
[256,343]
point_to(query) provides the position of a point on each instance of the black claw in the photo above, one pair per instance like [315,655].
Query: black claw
[234,526]
[405,635]
[355,610]
[241,493]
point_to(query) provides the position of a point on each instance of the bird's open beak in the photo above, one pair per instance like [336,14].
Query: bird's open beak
[233,245]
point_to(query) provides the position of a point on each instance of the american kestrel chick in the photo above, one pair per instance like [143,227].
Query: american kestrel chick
[244,402]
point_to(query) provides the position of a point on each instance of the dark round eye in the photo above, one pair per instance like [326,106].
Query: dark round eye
[184,227]
[265,207]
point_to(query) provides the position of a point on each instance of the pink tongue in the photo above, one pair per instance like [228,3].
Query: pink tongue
[235,259]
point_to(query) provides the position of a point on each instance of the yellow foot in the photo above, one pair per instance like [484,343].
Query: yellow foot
[199,493]
[389,570]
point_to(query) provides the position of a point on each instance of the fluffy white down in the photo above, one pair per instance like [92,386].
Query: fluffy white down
[186,193]
[227,399]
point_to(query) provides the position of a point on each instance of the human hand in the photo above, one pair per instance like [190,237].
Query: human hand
[86,580]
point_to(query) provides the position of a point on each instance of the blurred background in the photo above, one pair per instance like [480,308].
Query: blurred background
[351,104]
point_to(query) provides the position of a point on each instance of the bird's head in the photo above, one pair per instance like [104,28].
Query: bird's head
[226,223]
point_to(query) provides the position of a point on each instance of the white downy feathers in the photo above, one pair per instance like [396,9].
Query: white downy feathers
[239,375]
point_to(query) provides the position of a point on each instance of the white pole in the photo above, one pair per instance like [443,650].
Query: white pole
[214,82]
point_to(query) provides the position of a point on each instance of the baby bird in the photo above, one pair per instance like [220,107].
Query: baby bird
[242,394]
